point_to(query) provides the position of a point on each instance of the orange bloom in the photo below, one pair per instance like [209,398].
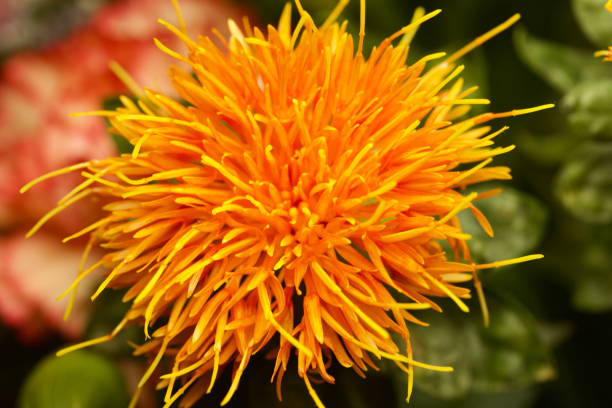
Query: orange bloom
[299,172]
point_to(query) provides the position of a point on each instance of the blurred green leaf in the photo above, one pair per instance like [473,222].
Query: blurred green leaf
[593,278]
[593,292]
[595,20]
[518,220]
[80,379]
[107,313]
[519,398]
[547,150]
[476,74]
[590,107]
[122,144]
[584,184]
[506,356]
[563,67]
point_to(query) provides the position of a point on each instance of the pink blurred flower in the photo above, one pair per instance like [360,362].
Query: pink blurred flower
[38,91]
[135,22]
[33,273]
[37,134]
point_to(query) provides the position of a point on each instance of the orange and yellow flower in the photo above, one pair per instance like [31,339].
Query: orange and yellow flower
[296,202]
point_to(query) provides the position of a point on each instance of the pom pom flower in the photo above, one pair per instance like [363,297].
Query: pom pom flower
[295,203]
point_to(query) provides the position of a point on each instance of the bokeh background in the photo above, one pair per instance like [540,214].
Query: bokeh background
[549,343]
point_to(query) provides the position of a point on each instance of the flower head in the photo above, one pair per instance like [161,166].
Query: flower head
[296,201]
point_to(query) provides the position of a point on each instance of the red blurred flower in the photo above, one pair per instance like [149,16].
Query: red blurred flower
[38,91]
[134,22]
[32,273]
[36,97]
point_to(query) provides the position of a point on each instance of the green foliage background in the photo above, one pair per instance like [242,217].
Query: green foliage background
[551,320]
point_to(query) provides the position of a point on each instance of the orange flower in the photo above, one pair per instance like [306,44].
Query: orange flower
[303,191]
